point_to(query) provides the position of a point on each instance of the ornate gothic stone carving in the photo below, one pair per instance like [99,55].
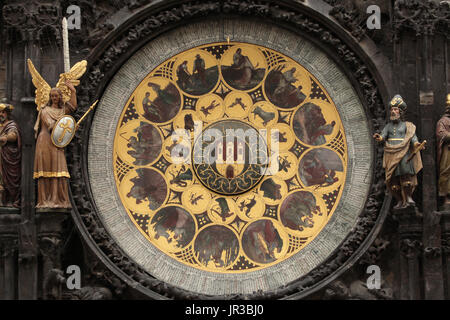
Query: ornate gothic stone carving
[134,4]
[50,248]
[356,290]
[445,245]
[55,285]
[88,293]
[32,20]
[372,255]
[332,2]
[9,246]
[350,18]
[425,17]
[432,252]
[410,248]
[360,291]
[142,31]
[95,23]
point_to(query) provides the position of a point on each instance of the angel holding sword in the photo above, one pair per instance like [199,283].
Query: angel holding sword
[50,167]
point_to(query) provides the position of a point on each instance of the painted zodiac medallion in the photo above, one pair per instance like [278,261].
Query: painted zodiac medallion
[230,157]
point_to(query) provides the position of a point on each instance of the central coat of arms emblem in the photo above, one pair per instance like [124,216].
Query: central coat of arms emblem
[230,157]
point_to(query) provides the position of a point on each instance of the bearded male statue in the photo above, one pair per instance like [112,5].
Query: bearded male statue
[401,159]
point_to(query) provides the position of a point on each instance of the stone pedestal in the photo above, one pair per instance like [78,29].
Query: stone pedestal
[410,238]
[28,261]
[445,225]
[9,238]
[50,228]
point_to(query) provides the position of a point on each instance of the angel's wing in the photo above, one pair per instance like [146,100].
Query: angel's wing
[75,73]
[42,87]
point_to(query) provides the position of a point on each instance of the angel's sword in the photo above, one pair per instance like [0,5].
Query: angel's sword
[65,36]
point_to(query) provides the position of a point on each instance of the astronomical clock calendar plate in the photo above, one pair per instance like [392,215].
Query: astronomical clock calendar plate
[225,150]
[220,201]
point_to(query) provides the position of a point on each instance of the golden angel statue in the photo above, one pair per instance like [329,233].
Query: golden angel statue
[50,167]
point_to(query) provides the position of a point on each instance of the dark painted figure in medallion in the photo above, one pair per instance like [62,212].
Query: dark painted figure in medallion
[216,244]
[247,206]
[175,224]
[201,80]
[310,125]
[297,211]
[181,177]
[281,90]
[148,185]
[222,209]
[318,167]
[242,74]
[265,116]
[261,241]
[189,122]
[271,189]
[164,106]
[146,146]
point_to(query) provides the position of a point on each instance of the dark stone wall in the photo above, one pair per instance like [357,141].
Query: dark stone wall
[2,62]
[2,78]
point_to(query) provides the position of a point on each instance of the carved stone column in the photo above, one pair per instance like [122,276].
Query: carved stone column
[9,267]
[28,266]
[422,22]
[446,250]
[31,30]
[30,27]
[432,264]
[410,251]
[2,273]
[410,238]
[50,230]
[8,251]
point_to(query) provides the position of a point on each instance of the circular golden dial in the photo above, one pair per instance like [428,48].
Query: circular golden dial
[230,157]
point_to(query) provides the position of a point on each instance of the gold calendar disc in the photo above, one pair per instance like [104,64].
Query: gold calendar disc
[232,155]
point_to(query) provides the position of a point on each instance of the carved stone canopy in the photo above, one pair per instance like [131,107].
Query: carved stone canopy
[32,20]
